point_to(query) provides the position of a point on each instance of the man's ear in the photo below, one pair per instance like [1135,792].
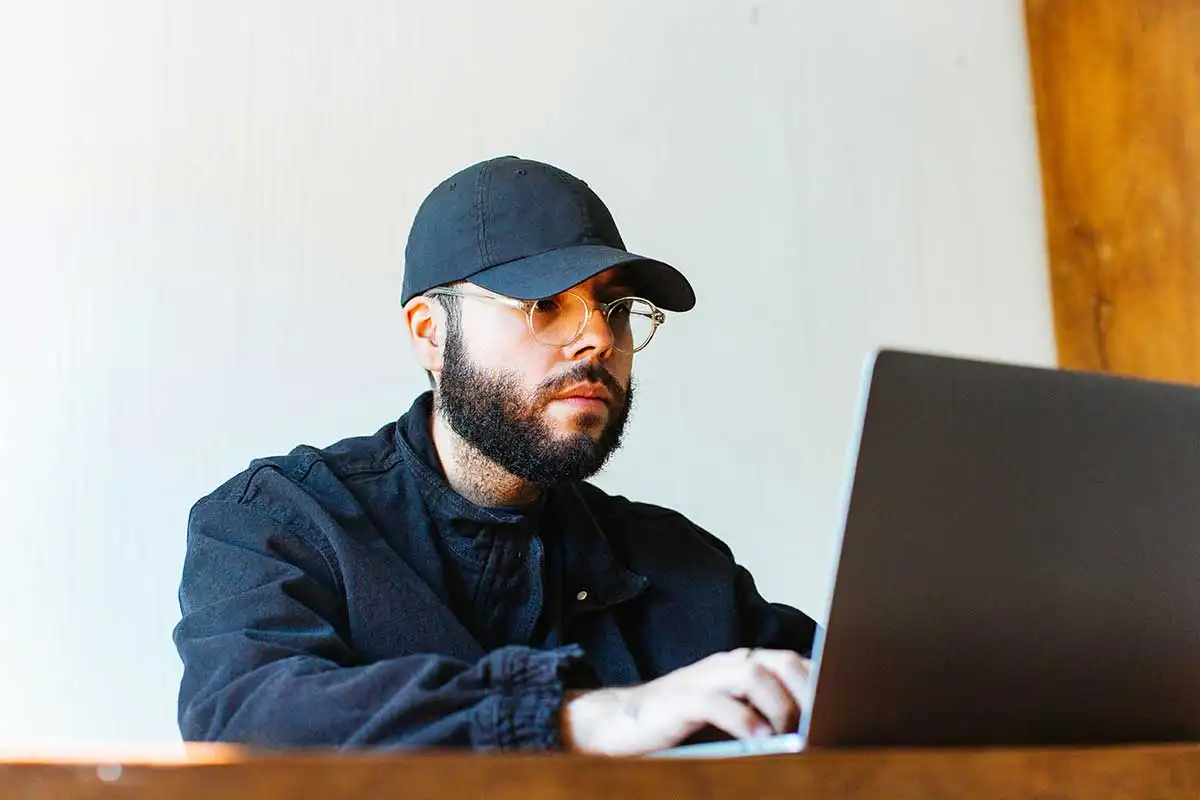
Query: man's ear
[426,321]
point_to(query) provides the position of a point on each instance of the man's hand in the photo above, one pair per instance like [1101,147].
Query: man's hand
[745,693]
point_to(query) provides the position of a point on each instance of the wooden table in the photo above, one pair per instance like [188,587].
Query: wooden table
[1093,773]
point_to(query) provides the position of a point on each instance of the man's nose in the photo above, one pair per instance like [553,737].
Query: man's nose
[597,337]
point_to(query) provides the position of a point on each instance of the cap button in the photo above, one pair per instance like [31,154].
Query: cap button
[581,596]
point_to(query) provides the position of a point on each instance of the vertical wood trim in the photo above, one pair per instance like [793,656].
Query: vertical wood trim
[1117,89]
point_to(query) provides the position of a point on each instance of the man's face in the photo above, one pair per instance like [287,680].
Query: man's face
[546,414]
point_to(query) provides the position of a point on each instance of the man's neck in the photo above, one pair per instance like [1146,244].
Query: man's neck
[475,476]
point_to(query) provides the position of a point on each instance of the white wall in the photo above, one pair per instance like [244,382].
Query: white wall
[203,208]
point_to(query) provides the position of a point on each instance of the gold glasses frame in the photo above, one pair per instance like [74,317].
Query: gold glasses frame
[656,316]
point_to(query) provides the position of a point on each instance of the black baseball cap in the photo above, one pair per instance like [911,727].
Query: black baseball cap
[526,230]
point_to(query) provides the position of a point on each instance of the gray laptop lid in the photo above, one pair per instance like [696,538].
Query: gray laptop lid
[1020,562]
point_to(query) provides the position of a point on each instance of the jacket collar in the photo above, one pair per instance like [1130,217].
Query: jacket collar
[591,566]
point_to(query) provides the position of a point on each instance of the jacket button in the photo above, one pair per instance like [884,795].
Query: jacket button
[581,596]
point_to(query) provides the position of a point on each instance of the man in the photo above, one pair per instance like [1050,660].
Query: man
[452,580]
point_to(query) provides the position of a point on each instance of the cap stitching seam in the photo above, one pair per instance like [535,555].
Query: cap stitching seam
[481,190]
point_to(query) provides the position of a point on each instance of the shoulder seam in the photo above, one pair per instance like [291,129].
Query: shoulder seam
[320,543]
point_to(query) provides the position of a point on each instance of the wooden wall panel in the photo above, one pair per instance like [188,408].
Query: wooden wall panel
[1117,87]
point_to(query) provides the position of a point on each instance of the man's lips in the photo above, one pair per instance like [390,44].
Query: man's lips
[588,394]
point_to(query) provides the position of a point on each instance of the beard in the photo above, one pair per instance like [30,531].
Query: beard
[506,424]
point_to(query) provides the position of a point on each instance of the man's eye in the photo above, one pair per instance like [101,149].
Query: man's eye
[547,306]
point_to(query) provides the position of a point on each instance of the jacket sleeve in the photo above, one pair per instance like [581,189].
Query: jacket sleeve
[772,625]
[266,659]
[760,623]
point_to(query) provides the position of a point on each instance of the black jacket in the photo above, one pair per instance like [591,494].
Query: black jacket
[349,597]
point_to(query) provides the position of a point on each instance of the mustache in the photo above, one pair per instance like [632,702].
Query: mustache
[590,372]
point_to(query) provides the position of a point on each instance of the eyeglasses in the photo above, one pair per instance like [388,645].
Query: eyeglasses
[560,320]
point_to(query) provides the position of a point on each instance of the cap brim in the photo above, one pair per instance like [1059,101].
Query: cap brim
[554,271]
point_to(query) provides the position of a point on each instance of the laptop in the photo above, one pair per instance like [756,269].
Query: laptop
[1019,565]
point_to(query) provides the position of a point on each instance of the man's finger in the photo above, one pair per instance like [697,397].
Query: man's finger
[770,698]
[736,718]
[790,669]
